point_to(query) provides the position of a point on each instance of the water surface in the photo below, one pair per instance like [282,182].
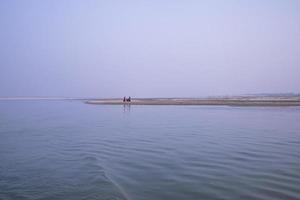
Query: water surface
[71,150]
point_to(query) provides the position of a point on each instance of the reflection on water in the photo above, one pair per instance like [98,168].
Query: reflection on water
[126,108]
[70,150]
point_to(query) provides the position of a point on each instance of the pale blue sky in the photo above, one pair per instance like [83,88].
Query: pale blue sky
[149,48]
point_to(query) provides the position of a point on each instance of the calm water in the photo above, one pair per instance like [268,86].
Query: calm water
[70,150]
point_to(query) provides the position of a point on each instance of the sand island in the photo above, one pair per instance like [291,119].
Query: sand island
[227,100]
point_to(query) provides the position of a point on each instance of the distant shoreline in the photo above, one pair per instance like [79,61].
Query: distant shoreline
[221,101]
[208,101]
[40,98]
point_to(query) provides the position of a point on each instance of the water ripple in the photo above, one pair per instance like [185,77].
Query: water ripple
[74,151]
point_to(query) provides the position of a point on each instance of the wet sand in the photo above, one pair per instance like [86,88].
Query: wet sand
[230,101]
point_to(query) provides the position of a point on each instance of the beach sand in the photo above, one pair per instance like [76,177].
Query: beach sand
[230,101]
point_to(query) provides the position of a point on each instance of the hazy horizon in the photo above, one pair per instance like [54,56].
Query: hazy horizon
[121,97]
[149,48]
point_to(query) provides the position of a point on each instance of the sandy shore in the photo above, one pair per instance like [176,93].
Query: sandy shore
[231,101]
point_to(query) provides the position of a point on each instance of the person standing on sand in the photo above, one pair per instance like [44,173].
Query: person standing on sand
[129,99]
[124,99]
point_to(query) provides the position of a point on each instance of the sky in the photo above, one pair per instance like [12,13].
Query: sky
[143,48]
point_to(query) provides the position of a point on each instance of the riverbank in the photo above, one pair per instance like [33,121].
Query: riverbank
[230,101]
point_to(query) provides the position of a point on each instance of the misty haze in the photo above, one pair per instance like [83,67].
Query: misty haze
[149,100]
[149,48]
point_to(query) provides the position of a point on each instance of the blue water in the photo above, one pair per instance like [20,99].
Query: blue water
[71,150]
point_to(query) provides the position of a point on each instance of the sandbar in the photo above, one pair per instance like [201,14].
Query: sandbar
[229,101]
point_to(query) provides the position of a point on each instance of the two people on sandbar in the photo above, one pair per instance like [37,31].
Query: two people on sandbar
[127,99]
